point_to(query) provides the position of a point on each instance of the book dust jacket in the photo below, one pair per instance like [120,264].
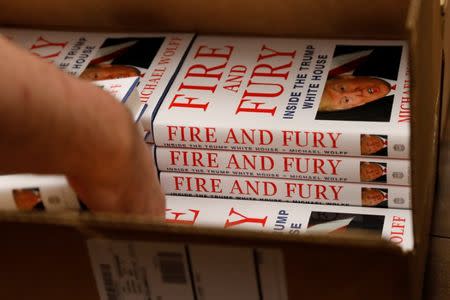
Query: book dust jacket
[329,97]
[152,57]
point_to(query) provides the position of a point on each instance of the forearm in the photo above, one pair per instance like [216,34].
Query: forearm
[51,123]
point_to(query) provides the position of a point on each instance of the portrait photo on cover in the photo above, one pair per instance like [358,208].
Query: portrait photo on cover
[374,197]
[361,84]
[329,222]
[123,57]
[373,171]
[28,199]
[374,145]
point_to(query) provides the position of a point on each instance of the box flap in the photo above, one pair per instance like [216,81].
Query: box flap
[50,251]
[424,24]
[445,11]
[325,18]
[441,221]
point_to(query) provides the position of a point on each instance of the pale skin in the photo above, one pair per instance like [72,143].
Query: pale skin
[371,144]
[346,92]
[52,123]
[372,197]
[370,171]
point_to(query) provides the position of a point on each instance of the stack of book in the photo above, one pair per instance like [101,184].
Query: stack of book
[301,121]
[321,124]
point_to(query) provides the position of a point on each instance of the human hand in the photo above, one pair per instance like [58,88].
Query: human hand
[53,123]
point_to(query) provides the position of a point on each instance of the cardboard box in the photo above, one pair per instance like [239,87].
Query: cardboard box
[441,221]
[437,279]
[45,256]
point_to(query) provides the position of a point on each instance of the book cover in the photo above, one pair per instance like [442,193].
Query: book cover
[153,57]
[70,51]
[329,97]
[271,189]
[394,225]
[284,165]
[27,192]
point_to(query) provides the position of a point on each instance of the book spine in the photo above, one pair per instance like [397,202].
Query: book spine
[37,192]
[331,142]
[161,74]
[394,225]
[270,189]
[288,166]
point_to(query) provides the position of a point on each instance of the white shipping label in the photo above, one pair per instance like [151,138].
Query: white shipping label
[224,273]
[149,270]
[140,271]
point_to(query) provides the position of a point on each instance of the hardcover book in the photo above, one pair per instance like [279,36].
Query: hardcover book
[28,192]
[284,165]
[152,57]
[271,189]
[328,97]
[394,225]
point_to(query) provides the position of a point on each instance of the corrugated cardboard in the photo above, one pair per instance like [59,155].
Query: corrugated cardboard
[47,254]
[441,220]
[437,281]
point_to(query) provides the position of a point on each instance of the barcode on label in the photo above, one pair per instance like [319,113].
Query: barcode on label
[172,267]
[108,282]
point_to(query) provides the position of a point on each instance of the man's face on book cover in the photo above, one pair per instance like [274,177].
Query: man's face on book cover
[26,199]
[371,144]
[370,171]
[346,92]
[371,197]
[107,71]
